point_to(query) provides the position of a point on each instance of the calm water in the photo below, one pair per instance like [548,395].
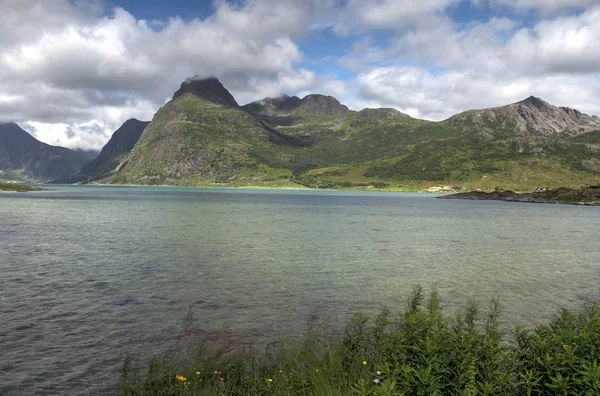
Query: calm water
[87,272]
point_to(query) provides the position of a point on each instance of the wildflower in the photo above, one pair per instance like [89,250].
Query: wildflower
[280,371]
[565,346]
[269,380]
[197,372]
[377,381]
[364,362]
[378,372]
[316,370]
[180,378]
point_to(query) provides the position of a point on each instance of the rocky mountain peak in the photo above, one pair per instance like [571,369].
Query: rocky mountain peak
[270,105]
[10,127]
[284,102]
[323,104]
[533,101]
[534,116]
[209,89]
[572,112]
[10,133]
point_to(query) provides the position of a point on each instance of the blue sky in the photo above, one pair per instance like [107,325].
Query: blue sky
[162,10]
[71,71]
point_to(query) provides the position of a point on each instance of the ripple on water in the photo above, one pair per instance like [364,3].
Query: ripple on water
[92,272]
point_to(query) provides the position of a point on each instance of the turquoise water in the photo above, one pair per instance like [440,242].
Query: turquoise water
[87,272]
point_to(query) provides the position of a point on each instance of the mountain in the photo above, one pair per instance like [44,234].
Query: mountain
[532,116]
[24,157]
[322,105]
[209,89]
[112,154]
[202,136]
[272,106]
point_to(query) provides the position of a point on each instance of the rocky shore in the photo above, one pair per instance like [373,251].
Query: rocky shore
[585,196]
[17,187]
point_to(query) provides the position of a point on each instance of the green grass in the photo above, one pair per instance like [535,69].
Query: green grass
[17,187]
[420,351]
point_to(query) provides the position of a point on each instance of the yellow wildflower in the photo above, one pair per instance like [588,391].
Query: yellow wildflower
[364,362]
[180,378]
[269,380]
[565,346]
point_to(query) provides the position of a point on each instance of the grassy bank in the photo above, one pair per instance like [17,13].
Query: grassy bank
[17,187]
[420,351]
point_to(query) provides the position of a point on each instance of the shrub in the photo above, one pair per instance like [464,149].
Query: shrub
[421,351]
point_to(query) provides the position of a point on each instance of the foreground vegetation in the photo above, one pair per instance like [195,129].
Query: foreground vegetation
[421,351]
[17,187]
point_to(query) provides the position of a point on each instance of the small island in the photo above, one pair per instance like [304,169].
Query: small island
[17,187]
[588,195]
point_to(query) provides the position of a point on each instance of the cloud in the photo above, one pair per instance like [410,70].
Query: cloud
[423,94]
[359,16]
[78,65]
[563,45]
[438,71]
[81,69]
[546,6]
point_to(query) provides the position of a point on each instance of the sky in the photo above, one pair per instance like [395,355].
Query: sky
[72,71]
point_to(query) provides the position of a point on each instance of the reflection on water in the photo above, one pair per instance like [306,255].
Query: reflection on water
[87,272]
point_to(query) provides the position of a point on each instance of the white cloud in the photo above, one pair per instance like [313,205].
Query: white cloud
[77,66]
[438,71]
[81,70]
[562,45]
[360,16]
[546,6]
[423,94]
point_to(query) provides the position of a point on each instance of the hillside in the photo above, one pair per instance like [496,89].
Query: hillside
[13,187]
[202,136]
[23,157]
[113,153]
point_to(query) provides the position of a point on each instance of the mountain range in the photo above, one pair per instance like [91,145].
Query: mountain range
[118,147]
[23,157]
[203,136]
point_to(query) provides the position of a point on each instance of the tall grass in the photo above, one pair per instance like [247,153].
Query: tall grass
[421,351]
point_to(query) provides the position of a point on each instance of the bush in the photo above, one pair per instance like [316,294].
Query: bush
[418,352]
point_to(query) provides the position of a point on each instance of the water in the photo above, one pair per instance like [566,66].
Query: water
[87,272]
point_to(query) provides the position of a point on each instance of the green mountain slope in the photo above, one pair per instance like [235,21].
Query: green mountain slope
[202,136]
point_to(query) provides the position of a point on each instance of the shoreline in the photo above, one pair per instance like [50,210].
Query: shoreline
[253,187]
[560,196]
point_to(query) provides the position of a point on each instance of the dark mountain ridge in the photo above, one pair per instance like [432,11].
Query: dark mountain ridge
[120,144]
[24,157]
[210,89]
